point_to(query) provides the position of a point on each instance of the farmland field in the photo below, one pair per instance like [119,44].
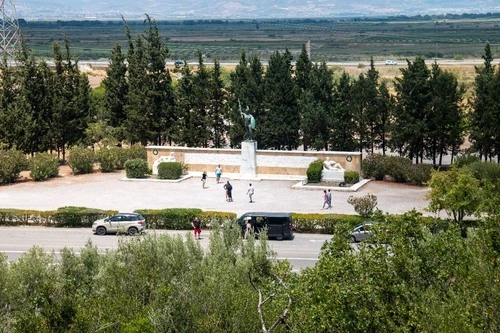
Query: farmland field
[330,40]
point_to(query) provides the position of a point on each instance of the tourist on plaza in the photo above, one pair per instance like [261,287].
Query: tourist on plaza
[250,192]
[229,191]
[203,179]
[218,173]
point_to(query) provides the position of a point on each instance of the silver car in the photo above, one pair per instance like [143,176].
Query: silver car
[362,231]
[130,223]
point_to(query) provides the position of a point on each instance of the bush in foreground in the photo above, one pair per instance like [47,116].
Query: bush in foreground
[136,168]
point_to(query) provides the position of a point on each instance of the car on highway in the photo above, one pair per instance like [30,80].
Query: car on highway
[391,62]
[362,231]
[129,223]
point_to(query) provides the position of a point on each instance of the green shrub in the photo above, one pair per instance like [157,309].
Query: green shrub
[107,159]
[419,174]
[314,171]
[351,177]
[464,160]
[169,170]
[81,160]
[71,216]
[12,162]
[485,172]
[122,156]
[373,166]
[137,151]
[136,168]
[171,218]
[365,205]
[397,167]
[44,166]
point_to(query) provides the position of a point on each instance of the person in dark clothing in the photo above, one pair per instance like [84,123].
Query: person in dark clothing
[196,223]
[229,191]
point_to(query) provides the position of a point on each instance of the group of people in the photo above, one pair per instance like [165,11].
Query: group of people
[327,199]
[227,186]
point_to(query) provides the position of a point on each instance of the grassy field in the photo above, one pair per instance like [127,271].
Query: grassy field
[331,40]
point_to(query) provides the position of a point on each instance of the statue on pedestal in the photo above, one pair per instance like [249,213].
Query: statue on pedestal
[249,121]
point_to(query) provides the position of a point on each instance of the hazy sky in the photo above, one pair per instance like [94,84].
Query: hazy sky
[245,9]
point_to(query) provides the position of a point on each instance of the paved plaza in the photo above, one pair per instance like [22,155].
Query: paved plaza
[112,191]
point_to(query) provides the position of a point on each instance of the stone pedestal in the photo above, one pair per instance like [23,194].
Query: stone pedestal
[332,175]
[248,161]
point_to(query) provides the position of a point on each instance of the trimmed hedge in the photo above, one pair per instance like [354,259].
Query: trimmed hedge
[170,170]
[170,218]
[351,177]
[314,171]
[136,168]
[62,217]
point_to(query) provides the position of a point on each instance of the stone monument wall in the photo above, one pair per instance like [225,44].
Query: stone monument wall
[270,163]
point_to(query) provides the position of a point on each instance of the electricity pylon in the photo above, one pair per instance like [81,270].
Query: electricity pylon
[9,29]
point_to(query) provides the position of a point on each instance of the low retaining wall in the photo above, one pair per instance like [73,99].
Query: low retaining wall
[270,163]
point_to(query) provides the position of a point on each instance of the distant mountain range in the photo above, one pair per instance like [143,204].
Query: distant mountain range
[250,9]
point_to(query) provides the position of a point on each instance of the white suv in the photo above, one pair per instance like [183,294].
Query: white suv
[130,223]
[391,62]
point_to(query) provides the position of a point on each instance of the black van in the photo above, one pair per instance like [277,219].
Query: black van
[278,225]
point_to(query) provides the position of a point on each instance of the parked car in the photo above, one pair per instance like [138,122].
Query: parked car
[362,231]
[391,62]
[130,223]
[278,225]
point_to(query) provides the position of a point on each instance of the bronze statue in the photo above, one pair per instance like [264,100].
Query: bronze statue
[249,121]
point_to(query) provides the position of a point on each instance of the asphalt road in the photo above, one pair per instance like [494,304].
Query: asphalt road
[302,252]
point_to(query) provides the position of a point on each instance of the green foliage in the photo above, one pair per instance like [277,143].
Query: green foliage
[351,177]
[107,159]
[456,191]
[322,223]
[364,205]
[136,168]
[465,160]
[169,170]
[81,160]
[12,162]
[425,282]
[77,216]
[314,171]
[171,218]
[44,166]
[137,151]
[485,171]
[379,166]
[419,174]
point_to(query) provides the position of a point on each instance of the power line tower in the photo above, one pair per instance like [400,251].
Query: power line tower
[9,29]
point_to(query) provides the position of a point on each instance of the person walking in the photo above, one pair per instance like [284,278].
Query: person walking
[325,199]
[196,223]
[229,191]
[250,192]
[248,226]
[203,179]
[218,173]
[329,194]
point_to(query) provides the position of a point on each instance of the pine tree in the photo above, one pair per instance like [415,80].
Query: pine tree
[445,119]
[71,101]
[217,111]
[343,126]
[280,122]
[382,121]
[183,108]
[116,90]
[413,97]
[484,118]
[201,101]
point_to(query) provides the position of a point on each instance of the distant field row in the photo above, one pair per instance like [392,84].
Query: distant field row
[331,40]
